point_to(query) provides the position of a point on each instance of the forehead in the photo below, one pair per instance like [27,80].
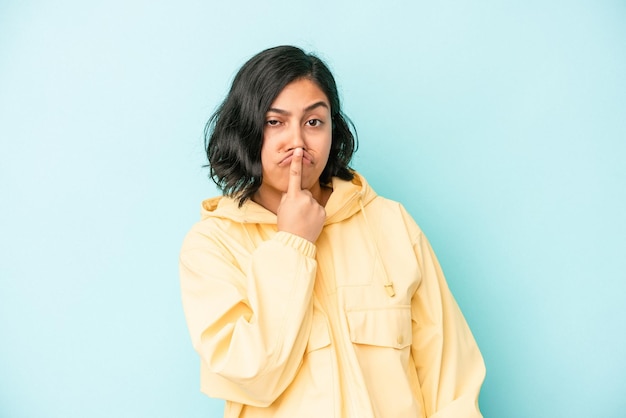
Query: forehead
[299,94]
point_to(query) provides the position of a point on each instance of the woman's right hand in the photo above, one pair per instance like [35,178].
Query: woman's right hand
[299,213]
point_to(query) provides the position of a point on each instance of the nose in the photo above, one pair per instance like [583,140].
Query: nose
[296,139]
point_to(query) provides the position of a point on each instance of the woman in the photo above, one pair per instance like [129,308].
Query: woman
[305,293]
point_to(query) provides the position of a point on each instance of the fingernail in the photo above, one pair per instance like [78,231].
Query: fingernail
[297,152]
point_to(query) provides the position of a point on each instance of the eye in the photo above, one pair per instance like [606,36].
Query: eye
[272,122]
[314,122]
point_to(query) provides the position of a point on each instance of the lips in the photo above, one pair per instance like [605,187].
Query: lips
[307,159]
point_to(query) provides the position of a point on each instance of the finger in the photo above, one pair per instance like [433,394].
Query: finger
[295,172]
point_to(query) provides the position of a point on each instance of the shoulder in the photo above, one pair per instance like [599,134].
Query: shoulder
[387,211]
[217,215]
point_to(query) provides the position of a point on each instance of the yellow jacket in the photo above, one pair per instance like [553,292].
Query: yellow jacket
[360,324]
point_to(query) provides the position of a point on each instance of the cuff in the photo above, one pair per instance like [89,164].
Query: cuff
[304,246]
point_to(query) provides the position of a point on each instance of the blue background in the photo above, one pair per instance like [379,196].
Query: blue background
[501,125]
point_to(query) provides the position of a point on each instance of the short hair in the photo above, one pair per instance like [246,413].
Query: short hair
[233,136]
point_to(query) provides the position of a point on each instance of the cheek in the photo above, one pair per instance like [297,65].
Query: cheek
[328,147]
[271,145]
[266,151]
[265,162]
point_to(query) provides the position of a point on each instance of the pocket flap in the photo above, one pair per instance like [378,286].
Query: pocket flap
[384,327]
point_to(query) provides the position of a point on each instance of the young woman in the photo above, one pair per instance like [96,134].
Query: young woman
[306,294]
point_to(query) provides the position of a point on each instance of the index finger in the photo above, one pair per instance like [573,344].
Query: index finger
[295,172]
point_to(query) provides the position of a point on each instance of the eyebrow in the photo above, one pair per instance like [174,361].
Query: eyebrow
[306,109]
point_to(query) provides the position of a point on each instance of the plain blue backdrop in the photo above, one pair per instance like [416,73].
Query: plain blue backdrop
[501,125]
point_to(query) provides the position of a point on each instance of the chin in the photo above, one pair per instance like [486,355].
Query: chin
[308,185]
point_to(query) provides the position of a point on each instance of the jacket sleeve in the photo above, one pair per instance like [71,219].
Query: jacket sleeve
[249,323]
[449,365]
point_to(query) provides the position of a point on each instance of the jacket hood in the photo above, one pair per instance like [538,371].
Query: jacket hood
[347,199]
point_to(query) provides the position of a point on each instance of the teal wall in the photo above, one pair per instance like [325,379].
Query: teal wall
[501,125]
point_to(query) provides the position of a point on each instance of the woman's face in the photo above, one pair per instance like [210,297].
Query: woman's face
[299,118]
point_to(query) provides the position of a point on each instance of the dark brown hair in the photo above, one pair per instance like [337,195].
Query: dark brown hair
[233,135]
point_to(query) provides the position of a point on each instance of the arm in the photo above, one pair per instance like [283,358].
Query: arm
[250,324]
[449,365]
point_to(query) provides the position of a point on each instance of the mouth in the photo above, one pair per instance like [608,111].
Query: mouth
[307,159]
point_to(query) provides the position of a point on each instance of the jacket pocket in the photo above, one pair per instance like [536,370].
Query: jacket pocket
[388,326]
